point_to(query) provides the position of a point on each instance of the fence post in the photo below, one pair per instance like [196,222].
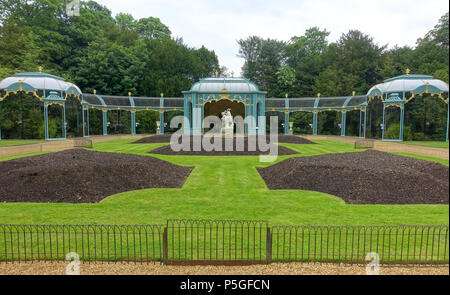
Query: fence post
[165,247]
[269,246]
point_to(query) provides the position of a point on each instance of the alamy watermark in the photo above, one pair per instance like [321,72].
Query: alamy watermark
[373,268]
[73,8]
[73,268]
[226,134]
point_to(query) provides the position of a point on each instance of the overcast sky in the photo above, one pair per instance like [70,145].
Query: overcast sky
[218,24]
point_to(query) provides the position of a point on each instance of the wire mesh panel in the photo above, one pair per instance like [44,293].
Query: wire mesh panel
[116,100]
[147,102]
[174,102]
[332,102]
[216,242]
[89,242]
[351,244]
[91,99]
[302,102]
[275,103]
[356,101]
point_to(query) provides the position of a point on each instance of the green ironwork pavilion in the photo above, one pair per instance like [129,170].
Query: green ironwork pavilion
[211,96]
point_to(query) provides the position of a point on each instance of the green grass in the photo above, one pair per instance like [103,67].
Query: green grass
[436,144]
[223,188]
[22,156]
[7,142]
[426,158]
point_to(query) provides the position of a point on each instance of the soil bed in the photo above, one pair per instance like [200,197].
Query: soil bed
[222,151]
[369,177]
[281,138]
[82,176]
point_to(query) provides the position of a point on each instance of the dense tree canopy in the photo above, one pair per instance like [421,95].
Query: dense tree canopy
[114,55]
[119,54]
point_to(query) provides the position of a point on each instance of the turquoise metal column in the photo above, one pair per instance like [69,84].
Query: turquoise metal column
[133,122]
[315,122]
[104,121]
[87,123]
[286,123]
[343,122]
[402,116]
[360,123]
[402,120]
[46,121]
[446,135]
[384,118]
[64,122]
[384,124]
[365,122]
[82,118]
[161,120]
[161,114]
[286,116]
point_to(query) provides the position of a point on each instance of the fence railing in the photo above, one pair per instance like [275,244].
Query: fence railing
[216,242]
[351,244]
[90,242]
[225,242]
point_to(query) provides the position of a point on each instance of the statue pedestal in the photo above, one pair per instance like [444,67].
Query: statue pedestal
[228,132]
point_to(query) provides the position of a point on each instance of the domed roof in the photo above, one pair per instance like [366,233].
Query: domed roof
[214,85]
[407,83]
[38,81]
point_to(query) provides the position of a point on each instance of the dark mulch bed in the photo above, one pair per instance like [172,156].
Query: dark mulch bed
[82,176]
[167,150]
[370,177]
[281,138]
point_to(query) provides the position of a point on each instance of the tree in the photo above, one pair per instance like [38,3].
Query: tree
[305,57]
[353,62]
[263,58]
[152,28]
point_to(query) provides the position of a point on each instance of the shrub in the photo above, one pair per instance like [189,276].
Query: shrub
[393,132]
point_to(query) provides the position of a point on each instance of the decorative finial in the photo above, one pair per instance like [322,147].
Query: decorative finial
[129,93]
[408,71]
[286,95]
[95,91]
[162,94]
[40,69]
[354,93]
[217,73]
[318,94]
[232,74]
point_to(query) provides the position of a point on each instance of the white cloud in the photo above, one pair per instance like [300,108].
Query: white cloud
[218,24]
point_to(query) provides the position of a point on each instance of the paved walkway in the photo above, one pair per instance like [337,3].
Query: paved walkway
[60,145]
[392,147]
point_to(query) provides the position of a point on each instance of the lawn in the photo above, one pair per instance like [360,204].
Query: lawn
[223,188]
[7,142]
[436,144]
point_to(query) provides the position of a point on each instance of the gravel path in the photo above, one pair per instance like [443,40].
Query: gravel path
[369,177]
[58,268]
[82,176]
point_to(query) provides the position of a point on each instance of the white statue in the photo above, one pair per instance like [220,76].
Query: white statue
[227,123]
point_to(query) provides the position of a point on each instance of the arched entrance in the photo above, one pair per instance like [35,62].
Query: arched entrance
[215,108]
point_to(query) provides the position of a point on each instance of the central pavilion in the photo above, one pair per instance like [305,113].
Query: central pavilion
[211,96]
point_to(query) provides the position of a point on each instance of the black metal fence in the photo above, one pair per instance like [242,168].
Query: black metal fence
[90,242]
[351,244]
[216,242]
[225,242]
